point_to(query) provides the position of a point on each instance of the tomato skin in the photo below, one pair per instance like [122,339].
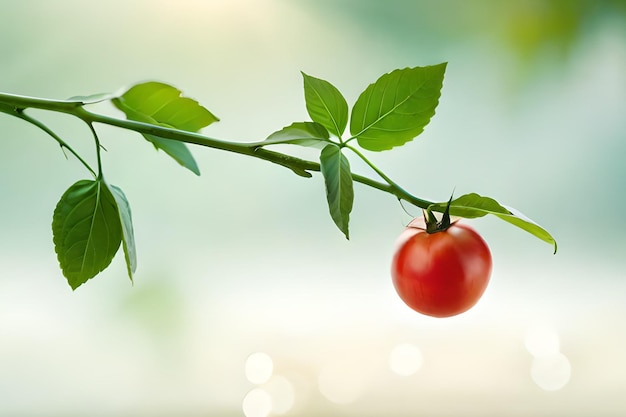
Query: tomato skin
[441,274]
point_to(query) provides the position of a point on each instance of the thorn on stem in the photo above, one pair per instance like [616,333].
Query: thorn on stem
[63,150]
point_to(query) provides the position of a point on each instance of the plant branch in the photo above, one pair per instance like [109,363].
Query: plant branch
[19,113]
[22,102]
[299,166]
[98,148]
[400,192]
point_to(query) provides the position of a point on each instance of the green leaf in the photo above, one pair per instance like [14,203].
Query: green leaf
[300,133]
[397,107]
[325,104]
[335,168]
[177,150]
[128,235]
[162,105]
[473,205]
[92,99]
[87,231]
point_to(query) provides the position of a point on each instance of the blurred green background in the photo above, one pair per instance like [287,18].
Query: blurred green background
[247,300]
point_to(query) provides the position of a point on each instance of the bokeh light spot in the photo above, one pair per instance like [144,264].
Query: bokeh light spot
[257,403]
[405,359]
[282,393]
[551,372]
[259,368]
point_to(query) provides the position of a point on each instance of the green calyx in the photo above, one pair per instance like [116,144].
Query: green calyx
[433,225]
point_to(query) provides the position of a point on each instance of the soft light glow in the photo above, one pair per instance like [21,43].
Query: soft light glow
[259,368]
[405,359]
[542,341]
[552,372]
[282,393]
[257,403]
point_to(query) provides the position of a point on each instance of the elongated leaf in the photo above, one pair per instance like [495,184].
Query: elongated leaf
[471,206]
[325,104]
[92,99]
[87,231]
[128,235]
[177,150]
[162,105]
[523,222]
[474,205]
[397,107]
[335,168]
[300,133]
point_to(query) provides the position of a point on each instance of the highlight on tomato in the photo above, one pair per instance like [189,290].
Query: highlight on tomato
[440,269]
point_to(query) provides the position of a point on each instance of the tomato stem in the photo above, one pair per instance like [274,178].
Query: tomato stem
[433,225]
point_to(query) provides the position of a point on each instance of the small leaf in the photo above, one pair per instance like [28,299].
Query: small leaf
[325,104]
[397,107]
[92,99]
[128,235]
[87,231]
[474,205]
[177,150]
[523,222]
[471,206]
[300,133]
[162,105]
[335,168]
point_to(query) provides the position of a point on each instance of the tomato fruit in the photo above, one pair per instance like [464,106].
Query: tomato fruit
[441,274]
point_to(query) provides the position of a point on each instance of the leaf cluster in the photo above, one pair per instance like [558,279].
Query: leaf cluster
[389,113]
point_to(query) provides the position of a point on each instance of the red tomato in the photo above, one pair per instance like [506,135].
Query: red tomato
[441,274]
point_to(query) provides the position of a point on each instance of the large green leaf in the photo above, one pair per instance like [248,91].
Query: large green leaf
[397,107]
[473,205]
[335,168]
[300,133]
[128,235]
[87,231]
[325,104]
[162,105]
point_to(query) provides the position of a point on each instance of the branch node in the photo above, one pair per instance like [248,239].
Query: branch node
[302,172]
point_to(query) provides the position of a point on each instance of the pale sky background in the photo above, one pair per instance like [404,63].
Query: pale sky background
[245,259]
